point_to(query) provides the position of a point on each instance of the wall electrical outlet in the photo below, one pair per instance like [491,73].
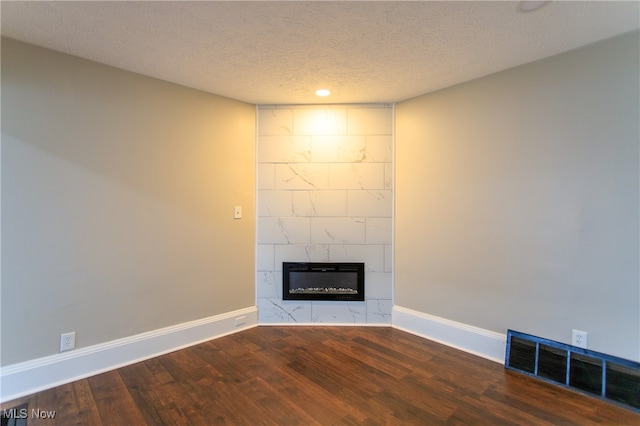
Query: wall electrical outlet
[579,338]
[67,341]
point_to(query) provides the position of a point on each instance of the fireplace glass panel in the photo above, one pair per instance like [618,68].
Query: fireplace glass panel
[323,281]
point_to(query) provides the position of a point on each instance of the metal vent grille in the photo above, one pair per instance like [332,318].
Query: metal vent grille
[604,376]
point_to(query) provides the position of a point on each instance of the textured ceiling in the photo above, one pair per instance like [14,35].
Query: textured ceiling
[280,52]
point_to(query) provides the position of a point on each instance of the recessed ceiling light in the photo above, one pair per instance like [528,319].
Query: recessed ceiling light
[530,5]
[323,92]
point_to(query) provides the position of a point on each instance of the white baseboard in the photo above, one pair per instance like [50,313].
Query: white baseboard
[475,340]
[32,376]
[324,324]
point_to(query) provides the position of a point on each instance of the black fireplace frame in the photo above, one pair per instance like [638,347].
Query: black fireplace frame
[327,268]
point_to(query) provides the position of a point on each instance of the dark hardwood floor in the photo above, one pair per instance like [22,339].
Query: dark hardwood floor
[318,375]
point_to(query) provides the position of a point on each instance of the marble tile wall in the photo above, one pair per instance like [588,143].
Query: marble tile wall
[325,195]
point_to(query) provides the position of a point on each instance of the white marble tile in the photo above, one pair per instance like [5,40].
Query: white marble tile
[338,149]
[338,230]
[265,257]
[374,203]
[371,255]
[379,311]
[388,258]
[275,121]
[370,121]
[331,203]
[302,176]
[378,230]
[269,285]
[388,176]
[275,203]
[324,149]
[325,180]
[300,253]
[377,285]
[338,312]
[356,176]
[379,149]
[279,311]
[283,230]
[304,203]
[284,149]
[266,176]
[320,203]
[320,121]
[352,149]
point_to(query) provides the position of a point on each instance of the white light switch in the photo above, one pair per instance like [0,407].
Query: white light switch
[237,212]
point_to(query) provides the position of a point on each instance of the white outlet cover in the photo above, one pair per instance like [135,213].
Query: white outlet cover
[579,338]
[67,341]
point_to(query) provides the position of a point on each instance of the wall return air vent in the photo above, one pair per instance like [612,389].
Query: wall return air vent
[613,379]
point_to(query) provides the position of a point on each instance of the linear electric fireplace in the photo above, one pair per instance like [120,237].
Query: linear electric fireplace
[322,281]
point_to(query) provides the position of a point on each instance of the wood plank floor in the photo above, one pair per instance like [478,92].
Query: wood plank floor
[318,375]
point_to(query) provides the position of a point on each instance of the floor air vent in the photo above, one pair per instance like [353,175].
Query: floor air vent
[608,377]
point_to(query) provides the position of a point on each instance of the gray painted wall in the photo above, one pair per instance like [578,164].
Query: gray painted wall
[117,203]
[517,199]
